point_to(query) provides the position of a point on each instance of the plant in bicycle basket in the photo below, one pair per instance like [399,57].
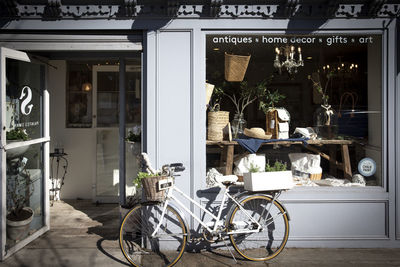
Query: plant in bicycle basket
[137,182]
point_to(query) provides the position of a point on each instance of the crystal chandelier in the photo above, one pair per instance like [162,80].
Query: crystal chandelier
[290,63]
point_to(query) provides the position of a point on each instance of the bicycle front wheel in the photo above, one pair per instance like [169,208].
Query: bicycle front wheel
[265,243]
[148,239]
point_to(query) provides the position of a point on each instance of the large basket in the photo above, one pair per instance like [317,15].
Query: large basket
[217,122]
[235,67]
[150,188]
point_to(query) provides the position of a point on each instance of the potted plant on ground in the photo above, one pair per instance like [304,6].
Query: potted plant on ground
[19,190]
[274,177]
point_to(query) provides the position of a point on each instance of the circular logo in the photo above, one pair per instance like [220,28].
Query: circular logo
[367,167]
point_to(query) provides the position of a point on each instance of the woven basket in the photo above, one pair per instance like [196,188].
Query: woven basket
[150,188]
[235,67]
[217,122]
[315,176]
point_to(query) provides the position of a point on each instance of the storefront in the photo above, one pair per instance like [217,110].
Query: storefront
[346,58]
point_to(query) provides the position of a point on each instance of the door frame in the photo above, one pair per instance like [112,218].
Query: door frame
[95,70]
[22,56]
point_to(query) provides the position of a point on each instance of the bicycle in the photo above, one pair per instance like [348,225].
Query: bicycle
[156,233]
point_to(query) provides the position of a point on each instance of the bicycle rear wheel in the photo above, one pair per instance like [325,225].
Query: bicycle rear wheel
[165,248]
[270,240]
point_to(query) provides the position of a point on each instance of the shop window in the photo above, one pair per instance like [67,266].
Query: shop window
[93,93]
[323,90]
[79,95]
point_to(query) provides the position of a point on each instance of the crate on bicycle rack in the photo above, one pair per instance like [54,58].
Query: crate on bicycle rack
[151,188]
[266,181]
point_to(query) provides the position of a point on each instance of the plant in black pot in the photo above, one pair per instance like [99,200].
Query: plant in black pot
[19,190]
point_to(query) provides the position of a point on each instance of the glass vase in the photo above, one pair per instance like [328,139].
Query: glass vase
[325,121]
[238,124]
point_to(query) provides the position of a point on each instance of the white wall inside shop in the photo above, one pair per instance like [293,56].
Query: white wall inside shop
[77,143]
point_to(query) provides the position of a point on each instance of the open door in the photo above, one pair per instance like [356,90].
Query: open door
[24,150]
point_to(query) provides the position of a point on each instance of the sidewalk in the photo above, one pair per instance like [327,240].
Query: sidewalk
[83,235]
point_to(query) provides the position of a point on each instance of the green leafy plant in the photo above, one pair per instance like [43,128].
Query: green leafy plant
[134,135]
[269,100]
[142,175]
[276,167]
[246,95]
[254,168]
[216,98]
[17,134]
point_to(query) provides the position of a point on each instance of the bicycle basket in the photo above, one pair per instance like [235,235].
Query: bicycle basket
[150,188]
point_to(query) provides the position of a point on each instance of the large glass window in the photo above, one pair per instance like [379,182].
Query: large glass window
[322,92]
[25,83]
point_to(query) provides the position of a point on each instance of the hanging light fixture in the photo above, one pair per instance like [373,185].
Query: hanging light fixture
[86,87]
[290,62]
[341,68]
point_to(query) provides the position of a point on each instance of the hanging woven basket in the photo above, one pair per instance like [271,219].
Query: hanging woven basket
[235,67]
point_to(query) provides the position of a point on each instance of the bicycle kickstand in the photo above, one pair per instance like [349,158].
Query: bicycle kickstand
[230,251]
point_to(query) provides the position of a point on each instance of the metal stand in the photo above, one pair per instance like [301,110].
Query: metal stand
[57,180]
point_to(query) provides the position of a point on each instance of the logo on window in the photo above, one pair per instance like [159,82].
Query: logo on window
[26,94]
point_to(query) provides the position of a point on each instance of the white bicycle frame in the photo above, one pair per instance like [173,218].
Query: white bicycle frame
[218,220]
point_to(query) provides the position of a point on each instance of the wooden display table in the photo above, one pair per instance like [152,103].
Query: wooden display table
[228,148]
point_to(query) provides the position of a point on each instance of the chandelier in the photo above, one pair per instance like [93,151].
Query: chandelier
[341,68]
[290,63]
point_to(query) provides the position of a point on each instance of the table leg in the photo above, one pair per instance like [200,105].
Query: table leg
[346,162]
[332,162]
[229,159]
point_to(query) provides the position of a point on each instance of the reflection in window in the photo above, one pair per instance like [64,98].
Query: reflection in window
[328,86]
[24,192]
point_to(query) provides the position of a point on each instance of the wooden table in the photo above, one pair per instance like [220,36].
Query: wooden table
[228,148]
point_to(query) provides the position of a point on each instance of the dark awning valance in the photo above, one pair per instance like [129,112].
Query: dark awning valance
[128,9]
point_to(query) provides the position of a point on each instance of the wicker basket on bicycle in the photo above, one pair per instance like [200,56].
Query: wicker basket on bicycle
[150,188]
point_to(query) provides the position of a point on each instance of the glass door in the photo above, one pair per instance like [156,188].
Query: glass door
[106,108]
[25,148]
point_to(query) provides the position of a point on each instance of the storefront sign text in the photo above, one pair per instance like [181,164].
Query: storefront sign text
[266,39]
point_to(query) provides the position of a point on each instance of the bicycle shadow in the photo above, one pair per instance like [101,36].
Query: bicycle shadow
[212,204]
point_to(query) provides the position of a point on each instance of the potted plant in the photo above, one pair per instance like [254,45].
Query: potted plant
[246,95]
[274,177]
[267,104]
[16,135]
[19,190]
[325,117]
[134,138]
[217,119]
